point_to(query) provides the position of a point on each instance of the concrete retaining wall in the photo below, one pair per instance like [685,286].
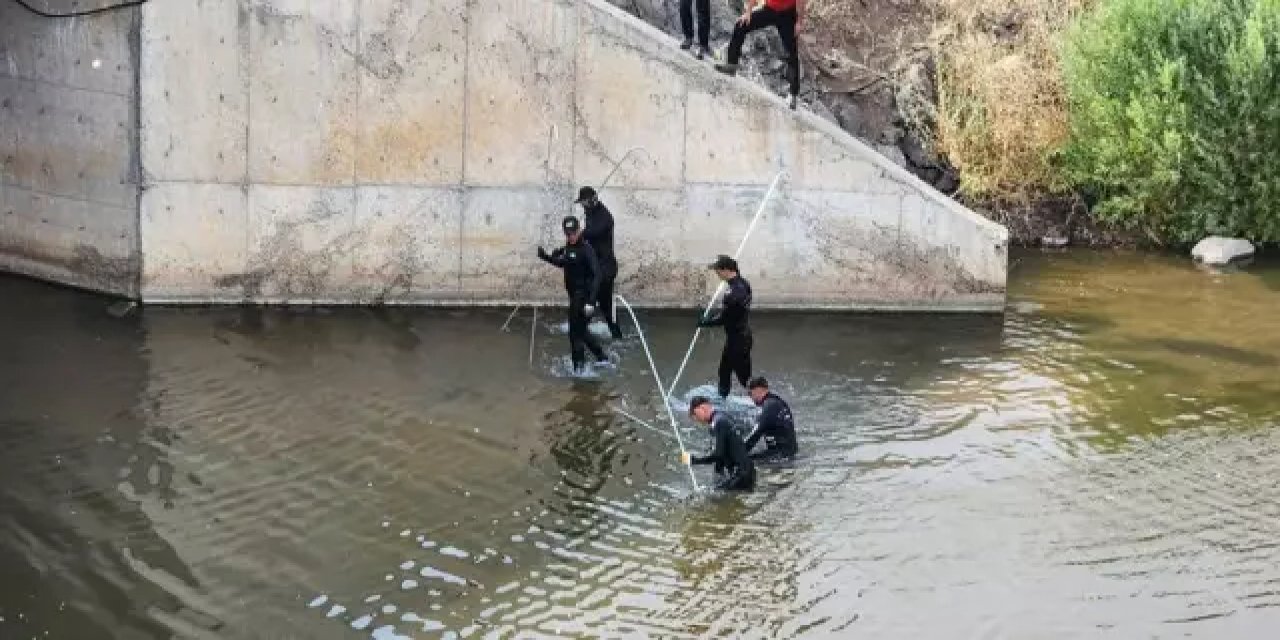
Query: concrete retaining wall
[68,187]
[402,151]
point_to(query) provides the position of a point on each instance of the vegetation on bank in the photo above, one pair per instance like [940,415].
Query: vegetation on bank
[1175,116]
[1002,103]
[1164,114]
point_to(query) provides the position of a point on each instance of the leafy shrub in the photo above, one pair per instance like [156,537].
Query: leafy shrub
[1175,116]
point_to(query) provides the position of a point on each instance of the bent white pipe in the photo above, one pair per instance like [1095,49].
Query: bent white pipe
[720,289]
[658,381]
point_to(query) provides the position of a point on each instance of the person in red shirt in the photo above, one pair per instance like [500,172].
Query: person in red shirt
[788,17]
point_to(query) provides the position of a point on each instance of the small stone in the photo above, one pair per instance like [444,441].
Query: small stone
[1055,240]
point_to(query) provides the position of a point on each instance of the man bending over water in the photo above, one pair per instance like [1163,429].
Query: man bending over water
[729,455]
[775,424]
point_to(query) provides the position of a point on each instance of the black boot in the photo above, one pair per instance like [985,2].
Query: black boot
[727,68]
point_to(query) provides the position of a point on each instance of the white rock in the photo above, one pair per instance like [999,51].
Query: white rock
[1219,250]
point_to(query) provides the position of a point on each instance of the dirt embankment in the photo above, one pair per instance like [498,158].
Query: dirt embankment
[966,94]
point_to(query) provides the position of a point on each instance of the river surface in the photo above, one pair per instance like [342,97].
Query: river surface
[1101,461]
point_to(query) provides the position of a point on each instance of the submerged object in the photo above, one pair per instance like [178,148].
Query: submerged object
[1218,251]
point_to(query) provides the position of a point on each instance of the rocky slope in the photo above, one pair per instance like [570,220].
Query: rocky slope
[868,65]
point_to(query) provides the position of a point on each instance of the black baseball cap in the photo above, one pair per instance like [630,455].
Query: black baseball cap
[585,194]
[725,262]
[570,225]
[698,401]
[757,383]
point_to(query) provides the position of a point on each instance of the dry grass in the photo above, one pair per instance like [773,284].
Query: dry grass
[833,11]
[1002,108]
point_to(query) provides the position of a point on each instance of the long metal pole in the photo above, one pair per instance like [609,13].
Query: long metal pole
[720,288]
[640,422]
[658,381]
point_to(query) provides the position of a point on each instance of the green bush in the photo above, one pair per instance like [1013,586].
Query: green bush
[1175,116]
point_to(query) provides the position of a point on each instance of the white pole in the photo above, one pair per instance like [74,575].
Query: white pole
[640,422]
[657,380]
[533,331]
[720,288]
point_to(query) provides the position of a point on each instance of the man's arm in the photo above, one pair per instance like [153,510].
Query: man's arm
[728,302]
[769,419]
[555,258]
[799,17]
[735,303]
[718,452]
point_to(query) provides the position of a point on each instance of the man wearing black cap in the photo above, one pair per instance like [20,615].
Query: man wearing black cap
[736,357]
[599,234]
[728,454]
[775,424]
[581,282]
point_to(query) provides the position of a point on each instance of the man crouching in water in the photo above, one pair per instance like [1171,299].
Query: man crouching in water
[729,455]
[776,424]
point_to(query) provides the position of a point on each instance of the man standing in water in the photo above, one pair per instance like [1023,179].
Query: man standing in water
[788,17]
[735,359]
[599,234]
[775,424]
[582,282]
[728,454]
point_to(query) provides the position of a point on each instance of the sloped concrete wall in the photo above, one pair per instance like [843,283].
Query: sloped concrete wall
[417,152]
[68,185]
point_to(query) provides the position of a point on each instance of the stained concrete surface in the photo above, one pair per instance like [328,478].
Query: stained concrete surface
[68,156]
[390,151]
[401,152]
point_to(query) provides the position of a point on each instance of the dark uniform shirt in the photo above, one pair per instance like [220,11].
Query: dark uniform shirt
[729,455]
[581,269]
[736,308]
[776,425]
[599,232]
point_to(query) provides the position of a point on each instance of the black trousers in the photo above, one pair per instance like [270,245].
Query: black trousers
[704,20]
[604,302]
[580,339]
[785,21]
[735,360]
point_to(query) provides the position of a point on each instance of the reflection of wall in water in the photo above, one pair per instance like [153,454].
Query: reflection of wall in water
[83,470]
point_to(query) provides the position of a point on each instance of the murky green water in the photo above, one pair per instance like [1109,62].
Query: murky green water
[1101,461]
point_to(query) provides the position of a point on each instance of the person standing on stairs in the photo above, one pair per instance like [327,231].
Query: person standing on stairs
[704,26]
[599,234]
[785,15]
